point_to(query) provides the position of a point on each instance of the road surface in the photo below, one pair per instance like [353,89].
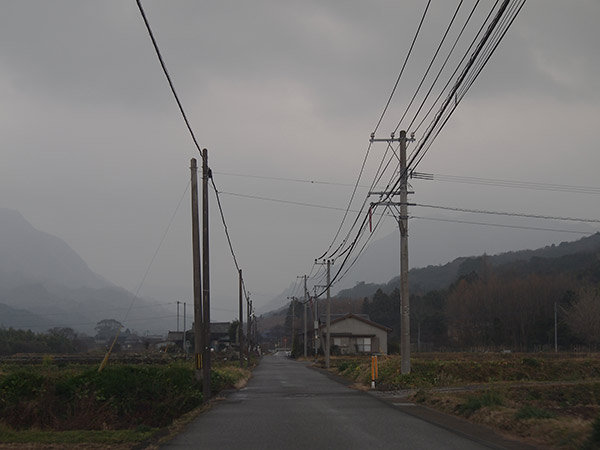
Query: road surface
[288,405]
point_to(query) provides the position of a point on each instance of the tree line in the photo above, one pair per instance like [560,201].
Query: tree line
[511,307]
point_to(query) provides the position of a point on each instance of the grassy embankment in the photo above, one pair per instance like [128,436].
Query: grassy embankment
[122,406]
[545,399]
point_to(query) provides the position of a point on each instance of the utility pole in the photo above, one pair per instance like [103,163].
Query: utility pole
[328,340]
[305,310]
[196,268]
[241,321]
[184,340]
[328,313]
[403,221]
[555,327]
[316,326]
[178,316]
[403,227]
[206,174]
[248,343]
[293,318]
[305,313]
[293,321]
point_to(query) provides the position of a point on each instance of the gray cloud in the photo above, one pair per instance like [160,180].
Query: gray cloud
[94,149]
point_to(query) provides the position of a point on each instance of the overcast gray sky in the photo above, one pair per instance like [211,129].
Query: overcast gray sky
[94,149]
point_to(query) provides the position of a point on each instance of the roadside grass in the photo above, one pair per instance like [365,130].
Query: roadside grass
[75,436]
[528,396]
[126,403]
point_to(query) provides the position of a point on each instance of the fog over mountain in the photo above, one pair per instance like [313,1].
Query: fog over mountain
[45,283]
[32,256]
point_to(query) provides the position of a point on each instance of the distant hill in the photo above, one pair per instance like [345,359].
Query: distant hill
[423,280]
[44,283]
[31,256]
[21,318]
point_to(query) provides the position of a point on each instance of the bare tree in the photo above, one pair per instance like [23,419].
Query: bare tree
[583,317]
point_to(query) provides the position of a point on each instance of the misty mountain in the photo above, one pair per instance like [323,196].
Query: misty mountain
[44,283]
[279,301]
[21,318]
[31,256]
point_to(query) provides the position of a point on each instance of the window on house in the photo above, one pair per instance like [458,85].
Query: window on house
[363,344]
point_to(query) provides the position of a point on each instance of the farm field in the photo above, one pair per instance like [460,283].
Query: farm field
[58,403]
[546,399]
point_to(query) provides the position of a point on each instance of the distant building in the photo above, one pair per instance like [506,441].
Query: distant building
[219,336]
[355,334]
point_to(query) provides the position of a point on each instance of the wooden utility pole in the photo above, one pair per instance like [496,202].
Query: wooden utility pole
[205,278]
[241,321]
[404,295]
[196,268]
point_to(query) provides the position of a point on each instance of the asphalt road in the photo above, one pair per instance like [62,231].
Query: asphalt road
[287,405]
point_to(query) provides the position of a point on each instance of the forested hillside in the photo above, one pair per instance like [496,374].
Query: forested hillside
[510,305]
[426,279]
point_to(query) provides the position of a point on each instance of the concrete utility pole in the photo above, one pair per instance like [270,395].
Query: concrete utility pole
[305,340]
[206,174]
[293,320]
[248,343]
[328,340]
[178,302]
[403,221]
[403,227]
[327,349]
[241,321]
[196,268]
[305,325]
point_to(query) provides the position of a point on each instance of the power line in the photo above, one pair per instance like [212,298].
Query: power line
[443,66]
[226,228]
[430,65]
[166,72]
[466,53]
[508,183]
[297,180]
[441,117]
[326,253]
[135,296]
[519,184]
[513,214]
[522,227]
[403,67]
[449,208]
[187,123]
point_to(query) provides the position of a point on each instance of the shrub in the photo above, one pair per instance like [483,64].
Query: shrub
[489,398]
[531,412]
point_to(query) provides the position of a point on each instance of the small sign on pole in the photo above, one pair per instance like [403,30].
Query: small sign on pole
[374,371]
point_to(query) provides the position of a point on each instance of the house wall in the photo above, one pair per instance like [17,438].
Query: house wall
[357,327]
